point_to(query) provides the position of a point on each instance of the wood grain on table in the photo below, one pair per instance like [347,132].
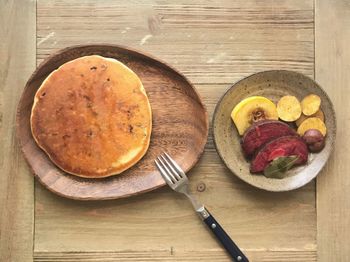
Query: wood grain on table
[332,68]
[17,62]
[214,43]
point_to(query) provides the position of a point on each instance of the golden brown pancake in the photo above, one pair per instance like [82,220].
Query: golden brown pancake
[92,117]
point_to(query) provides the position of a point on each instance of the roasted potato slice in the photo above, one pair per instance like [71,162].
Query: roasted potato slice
[310,104]
[319,114]
[288,108]
[312,123]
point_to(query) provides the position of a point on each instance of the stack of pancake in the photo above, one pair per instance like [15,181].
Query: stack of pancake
[92,117]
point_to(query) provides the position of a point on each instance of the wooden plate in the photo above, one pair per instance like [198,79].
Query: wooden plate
[273,85]
[180,126]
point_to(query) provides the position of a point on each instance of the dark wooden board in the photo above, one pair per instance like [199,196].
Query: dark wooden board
[180,126]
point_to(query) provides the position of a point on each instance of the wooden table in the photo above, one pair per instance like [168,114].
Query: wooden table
[214,43]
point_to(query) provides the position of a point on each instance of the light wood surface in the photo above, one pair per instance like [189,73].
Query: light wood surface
[209,41]
[332,67]
[146,222]
[168,255]
[17,62]
[180,126]
[214,43]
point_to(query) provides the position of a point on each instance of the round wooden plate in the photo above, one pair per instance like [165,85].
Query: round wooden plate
[273,85]
[180,126]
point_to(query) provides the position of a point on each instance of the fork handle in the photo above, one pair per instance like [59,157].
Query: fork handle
[224,238]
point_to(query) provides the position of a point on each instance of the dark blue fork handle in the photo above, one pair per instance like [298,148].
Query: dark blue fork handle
[225,240]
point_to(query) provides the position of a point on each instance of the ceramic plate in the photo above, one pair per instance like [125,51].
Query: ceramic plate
[273,85]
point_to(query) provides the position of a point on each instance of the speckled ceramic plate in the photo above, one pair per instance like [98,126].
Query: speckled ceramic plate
[273,85]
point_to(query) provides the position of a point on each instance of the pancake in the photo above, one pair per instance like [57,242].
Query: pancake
[92,117]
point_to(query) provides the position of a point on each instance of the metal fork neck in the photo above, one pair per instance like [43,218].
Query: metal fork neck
[203,213]
[200,209]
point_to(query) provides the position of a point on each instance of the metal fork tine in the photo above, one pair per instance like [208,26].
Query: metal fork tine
[170,175]
[176,174]
[175,165]
[164,174]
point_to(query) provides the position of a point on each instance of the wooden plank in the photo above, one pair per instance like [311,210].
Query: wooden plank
[214,43]
[17,52]
[210,41]
[332,72]
[164,220]
[171,255]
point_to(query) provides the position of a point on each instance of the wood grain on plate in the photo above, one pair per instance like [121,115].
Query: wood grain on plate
[273,85]
[180,126]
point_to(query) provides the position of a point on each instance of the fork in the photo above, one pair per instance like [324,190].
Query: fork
[176,178]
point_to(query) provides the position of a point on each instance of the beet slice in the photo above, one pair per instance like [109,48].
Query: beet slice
[263,132]
[282,146]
